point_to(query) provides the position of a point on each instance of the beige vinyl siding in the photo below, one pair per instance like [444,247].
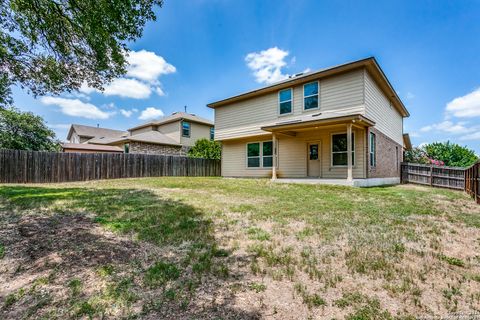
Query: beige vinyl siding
[378,108]
[292,155]
[234,159]
[340,95]
[197,131]
[171,130]
[141,130]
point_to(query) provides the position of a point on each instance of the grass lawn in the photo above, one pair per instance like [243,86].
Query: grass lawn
[212,248]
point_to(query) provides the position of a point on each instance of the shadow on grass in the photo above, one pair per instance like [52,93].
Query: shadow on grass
[53,233]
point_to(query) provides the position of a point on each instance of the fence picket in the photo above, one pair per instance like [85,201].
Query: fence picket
[18,166]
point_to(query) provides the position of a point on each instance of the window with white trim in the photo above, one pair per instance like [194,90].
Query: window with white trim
[373,149]
[310,96]
[260,154]
[285,101]
[185,129]
[212,133]
[339,150]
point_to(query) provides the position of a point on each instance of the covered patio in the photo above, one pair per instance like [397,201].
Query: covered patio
[334,150]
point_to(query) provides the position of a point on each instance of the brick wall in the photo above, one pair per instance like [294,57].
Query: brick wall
[389,155]
[150,148]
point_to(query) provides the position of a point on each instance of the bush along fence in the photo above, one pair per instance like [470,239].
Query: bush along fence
[467,179]
[17,166]
[472,181]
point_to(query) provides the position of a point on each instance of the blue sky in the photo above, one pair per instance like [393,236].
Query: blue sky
[199,51]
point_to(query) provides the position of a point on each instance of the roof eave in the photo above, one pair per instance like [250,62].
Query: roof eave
[370,64]
[327,121]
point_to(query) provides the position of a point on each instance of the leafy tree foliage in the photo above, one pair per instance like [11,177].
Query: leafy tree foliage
[451,154]
[25,131]
[206,149]
[56,45]
[416,155]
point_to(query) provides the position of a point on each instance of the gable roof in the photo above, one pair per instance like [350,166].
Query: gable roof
[91,132]
[370,64]
[154,137]
[176,116]
[91,147]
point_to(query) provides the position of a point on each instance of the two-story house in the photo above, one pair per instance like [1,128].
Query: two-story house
[172,135]
[342,124]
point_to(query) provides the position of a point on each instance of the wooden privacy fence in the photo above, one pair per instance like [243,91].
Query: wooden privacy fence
[445,177]
[472,181]
[17,166]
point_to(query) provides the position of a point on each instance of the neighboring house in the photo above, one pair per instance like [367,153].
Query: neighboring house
[82,134]
[89,148]
[173,135]
[344,122]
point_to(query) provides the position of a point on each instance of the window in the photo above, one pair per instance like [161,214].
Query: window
[373,149]
[310,96]
[267,154]
[253,155]
[212,133]
[285,101]
[260,154]
[126,148]
[313,154]
[339,149]
[186,129]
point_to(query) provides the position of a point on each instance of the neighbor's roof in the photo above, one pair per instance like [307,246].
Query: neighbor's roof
[88,131]
[176,116]
[92,147]
[370,64]
[146,137]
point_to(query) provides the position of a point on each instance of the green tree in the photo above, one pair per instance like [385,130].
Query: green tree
[206,149]
[25,131]
[416,155]
[52,46]
[451,154]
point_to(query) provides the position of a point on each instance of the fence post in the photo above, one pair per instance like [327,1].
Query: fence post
[431,175]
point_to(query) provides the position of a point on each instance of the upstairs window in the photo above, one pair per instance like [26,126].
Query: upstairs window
[285,101]
[260,154]
[310,96]
[373,150]
[186,129]
[339,150]
[212,133]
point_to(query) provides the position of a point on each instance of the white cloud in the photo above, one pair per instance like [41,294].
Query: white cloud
[143,73]
[267,64]
[127,113]
[76,108]
[150,113]
[414,134]
[410,95]
[147,66]
[471,136]
[449,127]
[467,106]
[159,91]
[127,88]
[59,126]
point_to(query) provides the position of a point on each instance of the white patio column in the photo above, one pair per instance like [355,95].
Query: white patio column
[349,153]
[274,156]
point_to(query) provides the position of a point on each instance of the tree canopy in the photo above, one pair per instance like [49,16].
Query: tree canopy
[206,149]
[25,131]
[52,46]
[451,154]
